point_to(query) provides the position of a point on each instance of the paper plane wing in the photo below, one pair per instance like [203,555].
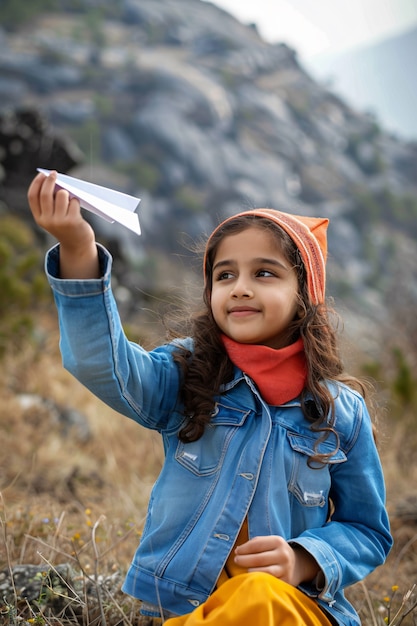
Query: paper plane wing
[111,205]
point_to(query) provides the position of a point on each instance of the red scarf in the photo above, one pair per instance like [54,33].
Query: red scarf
[280,375]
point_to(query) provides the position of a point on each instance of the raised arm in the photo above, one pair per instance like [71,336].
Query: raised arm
[60,215]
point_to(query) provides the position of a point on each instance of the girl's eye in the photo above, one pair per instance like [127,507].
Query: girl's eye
[265,273]
[224,276]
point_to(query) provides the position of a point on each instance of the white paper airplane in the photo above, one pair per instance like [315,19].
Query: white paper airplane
[111,205]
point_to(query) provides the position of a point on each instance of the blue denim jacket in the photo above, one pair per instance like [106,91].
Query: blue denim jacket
[250,463]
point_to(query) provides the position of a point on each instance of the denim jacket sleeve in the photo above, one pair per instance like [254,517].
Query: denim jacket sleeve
[357,537]
[139,384]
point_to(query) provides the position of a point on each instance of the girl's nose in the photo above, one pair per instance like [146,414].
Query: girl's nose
[241,289]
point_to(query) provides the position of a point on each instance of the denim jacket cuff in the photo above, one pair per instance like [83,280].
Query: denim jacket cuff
[77,287]
[326,583]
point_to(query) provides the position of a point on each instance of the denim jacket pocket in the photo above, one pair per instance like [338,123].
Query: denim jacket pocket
[311,484]
[204,456]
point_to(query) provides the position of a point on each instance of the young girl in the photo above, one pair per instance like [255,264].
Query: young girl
[271,499]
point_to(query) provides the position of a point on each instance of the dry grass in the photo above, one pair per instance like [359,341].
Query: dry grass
[67,499]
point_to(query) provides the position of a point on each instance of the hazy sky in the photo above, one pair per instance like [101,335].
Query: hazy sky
[315,27]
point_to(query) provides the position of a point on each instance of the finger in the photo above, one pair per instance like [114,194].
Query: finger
[34,193]
[274,570]
[61,204]
[46,195]
[67,207]
[257,560]
[259,544]
[263,552]
[74,207]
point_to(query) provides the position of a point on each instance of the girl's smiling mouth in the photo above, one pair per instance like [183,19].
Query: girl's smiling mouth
[242,311]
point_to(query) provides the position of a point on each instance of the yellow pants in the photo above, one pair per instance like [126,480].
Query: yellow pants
[254,599]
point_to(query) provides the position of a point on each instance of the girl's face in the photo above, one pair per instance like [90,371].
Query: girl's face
[254,290]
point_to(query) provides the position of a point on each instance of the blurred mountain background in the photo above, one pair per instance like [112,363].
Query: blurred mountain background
[179,103]
[377,78]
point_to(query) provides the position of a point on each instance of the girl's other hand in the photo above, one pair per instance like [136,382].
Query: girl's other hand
[60,215]
[274,555]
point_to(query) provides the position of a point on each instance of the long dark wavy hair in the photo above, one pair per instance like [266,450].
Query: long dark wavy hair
[208,366]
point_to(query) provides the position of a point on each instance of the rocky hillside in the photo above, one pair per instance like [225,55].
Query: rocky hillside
[177,102]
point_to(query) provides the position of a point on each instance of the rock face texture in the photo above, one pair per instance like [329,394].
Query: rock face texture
[182,105]
[26,140]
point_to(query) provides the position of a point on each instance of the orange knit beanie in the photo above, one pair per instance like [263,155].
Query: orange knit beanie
[308,234]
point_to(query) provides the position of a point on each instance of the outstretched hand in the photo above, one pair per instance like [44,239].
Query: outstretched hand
[60,215]
[274,555]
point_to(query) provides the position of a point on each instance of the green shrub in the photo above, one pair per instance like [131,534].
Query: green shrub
[403,385]
[23,286]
